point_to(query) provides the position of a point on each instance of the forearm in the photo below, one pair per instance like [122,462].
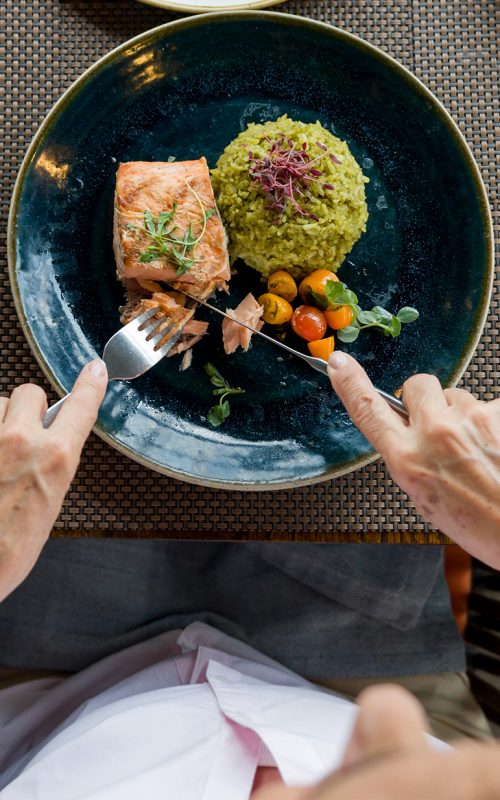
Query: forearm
[37,466]
[25,525]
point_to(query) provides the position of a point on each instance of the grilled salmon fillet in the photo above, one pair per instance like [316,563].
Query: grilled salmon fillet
[143,186]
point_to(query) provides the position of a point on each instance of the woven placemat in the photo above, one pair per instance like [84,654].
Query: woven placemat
[44,46]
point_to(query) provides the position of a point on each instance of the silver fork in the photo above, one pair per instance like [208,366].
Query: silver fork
[130,352]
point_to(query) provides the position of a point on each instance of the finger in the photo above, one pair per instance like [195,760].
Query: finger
[277,791]
[423,394]
[27,405]
[390,719]
[4,404]
[79,412]
[459,397]
[367,409]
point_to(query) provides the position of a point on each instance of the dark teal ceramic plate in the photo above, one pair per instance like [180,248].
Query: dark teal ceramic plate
[186,89]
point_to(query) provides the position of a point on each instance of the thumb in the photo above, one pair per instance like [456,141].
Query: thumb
[367,409]
[79,413]
[390,719]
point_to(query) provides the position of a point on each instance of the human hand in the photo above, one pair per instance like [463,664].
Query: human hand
[389,758]
[447,458]
[37,466]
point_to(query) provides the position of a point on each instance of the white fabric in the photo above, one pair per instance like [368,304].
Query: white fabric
[194,726]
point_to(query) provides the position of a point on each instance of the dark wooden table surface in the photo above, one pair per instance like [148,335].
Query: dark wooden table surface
[403,537]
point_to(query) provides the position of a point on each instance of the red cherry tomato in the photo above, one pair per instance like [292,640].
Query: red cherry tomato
[309,323]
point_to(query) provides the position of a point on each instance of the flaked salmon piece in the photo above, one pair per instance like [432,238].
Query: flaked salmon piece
[192,332]
[234,335]
[170,309]
[150,286]
[186,360]
[155,187]
[195,327]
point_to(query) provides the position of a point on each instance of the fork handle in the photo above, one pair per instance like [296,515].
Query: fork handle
[53,412]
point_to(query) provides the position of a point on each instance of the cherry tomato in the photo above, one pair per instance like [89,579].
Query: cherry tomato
[339,317]
[282,284]
[309,323]
[315,282]
[277,310]
[323,348]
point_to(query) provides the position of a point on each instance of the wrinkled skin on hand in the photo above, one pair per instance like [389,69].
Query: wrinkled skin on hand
[447,458]
[38,465]
[389,758]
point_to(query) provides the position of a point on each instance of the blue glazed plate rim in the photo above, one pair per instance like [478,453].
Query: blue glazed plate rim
[323,28]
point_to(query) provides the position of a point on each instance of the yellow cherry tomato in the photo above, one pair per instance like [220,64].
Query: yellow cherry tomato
[277,310]
[315,283]
[339,317]
[282,284]
[323,348]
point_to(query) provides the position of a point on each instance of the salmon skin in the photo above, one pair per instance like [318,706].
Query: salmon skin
[155,186]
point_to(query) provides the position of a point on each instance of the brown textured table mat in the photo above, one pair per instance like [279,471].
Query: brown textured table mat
[44,46]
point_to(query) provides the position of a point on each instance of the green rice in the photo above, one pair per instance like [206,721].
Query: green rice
[297,244]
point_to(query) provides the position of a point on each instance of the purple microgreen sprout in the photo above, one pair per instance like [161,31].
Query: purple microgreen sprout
[285,174]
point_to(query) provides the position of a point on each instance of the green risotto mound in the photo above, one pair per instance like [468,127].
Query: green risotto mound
[269,239]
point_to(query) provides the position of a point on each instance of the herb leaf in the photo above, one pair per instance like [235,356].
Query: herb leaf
[396,326]
[407,314]
[220,412]
[215,417]
[382,314]
[369,318]
[349,333]
[339,295]
[164,242]
[316,299]
[149,222]
[378,317]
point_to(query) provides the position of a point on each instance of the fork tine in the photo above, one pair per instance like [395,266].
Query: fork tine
[153,332]
[144,317]
[156,339]
[164,349]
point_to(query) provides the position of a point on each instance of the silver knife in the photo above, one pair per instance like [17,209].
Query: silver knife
[316,363]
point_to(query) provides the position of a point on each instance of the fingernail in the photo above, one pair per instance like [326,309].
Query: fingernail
[97,368]
[337,360]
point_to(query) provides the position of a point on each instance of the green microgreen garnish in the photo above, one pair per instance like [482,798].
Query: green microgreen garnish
[221,411]
[179,250]
[378,317]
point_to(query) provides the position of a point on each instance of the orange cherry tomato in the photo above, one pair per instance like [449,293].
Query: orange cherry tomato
[282,284]
[309,323]
[277,310]
[323,348]
[339,317]
[315,283]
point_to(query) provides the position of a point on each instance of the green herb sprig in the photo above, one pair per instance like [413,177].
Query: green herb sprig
[176,249]
[221,411]
[378,317]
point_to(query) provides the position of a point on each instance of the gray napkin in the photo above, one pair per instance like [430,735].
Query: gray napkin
[384,582]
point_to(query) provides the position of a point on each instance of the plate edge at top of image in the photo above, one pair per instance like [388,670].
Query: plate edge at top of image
[190,8]
[286,20]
